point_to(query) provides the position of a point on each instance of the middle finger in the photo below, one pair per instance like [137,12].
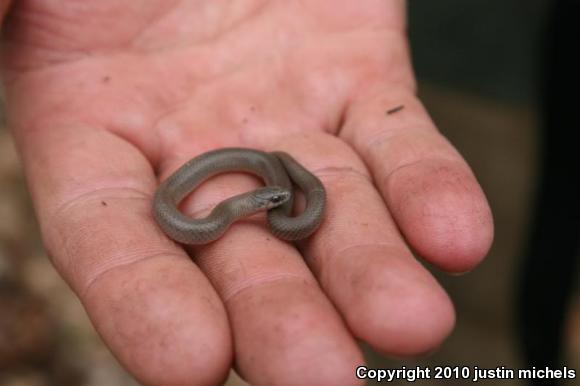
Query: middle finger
[285,329]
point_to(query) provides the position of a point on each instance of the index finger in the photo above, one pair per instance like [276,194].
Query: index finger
[153,307]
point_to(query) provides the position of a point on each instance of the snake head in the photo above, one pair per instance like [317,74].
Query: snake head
[271,196]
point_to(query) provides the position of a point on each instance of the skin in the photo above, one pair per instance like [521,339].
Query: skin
[107,98]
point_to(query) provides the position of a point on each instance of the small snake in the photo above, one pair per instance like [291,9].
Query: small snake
[278,170]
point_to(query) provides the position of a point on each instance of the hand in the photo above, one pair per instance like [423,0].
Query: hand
[108,98]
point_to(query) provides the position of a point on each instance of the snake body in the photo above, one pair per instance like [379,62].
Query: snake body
[279,172]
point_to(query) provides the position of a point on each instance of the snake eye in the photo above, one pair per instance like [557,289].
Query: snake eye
[276,198]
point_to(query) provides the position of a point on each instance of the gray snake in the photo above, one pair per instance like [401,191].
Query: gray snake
[279,172]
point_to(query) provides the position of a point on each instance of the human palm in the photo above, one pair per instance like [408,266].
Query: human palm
[107,98]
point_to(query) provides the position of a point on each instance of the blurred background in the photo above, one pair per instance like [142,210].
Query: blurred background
[498,81]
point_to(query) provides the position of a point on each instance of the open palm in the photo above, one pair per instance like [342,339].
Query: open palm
[108,98]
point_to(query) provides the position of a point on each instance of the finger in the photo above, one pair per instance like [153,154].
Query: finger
[285,330]
[362,262]
[152,306]
[429,189]
[4,5]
